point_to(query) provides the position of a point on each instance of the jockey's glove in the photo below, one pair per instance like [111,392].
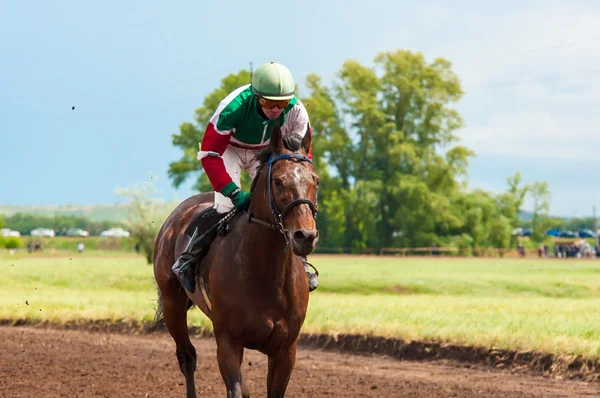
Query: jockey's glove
[239,198]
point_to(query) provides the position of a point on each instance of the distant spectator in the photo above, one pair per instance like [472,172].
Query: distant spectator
[521,249]
[137,247]
[80,247]
[38,246]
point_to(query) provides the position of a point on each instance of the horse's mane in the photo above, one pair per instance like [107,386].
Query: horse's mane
[262,157]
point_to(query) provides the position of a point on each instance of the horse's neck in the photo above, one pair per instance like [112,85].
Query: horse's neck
[265,253]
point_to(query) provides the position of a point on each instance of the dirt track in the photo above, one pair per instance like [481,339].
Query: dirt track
[59,363]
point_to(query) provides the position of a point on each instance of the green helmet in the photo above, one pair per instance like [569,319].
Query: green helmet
[273,81]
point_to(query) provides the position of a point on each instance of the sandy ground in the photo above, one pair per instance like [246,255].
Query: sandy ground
[37,362]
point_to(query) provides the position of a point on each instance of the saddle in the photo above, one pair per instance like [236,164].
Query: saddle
[202,231]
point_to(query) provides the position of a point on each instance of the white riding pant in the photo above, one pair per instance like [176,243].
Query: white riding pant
[236,160]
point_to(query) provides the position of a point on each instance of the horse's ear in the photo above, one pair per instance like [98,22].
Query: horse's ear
[307,140]
[276,140]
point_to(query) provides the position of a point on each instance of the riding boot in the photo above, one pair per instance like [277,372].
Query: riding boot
[185,266]
[313,278]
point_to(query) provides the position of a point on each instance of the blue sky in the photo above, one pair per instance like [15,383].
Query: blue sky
[136,70]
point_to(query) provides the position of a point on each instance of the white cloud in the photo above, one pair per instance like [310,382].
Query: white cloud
[532,43]
[532,81]
[539,135]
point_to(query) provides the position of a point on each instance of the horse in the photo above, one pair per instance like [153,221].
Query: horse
[253,288]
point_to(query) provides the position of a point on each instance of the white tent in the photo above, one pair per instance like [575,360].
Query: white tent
[116,233]
[9,233]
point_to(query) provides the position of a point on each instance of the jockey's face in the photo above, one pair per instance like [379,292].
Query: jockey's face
[272,113]
[272,108]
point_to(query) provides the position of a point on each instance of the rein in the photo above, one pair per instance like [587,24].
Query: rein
[280,215]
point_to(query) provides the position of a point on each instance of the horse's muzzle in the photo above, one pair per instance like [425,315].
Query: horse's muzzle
[304,241]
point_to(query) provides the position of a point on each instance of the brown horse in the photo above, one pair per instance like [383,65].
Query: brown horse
[255,288]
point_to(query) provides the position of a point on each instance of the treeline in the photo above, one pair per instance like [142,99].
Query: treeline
[393,173]
[566,224]
[25,223]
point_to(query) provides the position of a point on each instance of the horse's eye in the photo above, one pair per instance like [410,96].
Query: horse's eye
[316,179]
[277,182]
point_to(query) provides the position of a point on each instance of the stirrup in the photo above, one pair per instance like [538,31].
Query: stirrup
[312,266]
[186,275]
[313,279]
[185,266]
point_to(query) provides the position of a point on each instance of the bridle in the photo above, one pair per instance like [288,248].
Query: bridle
[280,215]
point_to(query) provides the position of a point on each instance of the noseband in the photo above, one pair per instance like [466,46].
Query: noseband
[280,215]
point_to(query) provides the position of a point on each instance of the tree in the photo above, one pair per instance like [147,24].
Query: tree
[540,193]
[332,158]
[509,203]
[400,115]
[500,233]
[144,216]
[474,213]
[384,144]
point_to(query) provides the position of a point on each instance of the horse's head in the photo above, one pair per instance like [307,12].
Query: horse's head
[289,183]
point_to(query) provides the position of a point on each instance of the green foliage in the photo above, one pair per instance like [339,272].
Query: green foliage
[392,171]
[540,193]
[13,242]
[145,218]
[1,221]
[500,232]
[509,203]
[385,146]
[464,243]
[571,224]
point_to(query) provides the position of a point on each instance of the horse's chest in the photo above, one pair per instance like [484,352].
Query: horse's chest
[269,333]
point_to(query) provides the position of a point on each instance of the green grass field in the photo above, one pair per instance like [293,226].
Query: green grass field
[545,305]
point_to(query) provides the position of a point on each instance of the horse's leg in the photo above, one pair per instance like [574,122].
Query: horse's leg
[229,356]
[245,390]
[280,370]
[175,309]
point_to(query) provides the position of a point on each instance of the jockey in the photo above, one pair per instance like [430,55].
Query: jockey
[240,128]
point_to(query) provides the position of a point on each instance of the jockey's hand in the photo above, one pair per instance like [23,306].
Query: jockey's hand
[239,198]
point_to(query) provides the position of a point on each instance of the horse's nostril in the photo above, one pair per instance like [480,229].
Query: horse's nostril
[300,236]
[305,235]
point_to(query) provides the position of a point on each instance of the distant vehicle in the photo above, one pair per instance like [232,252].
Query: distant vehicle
[519,231]
[567,234]
[586,233]
[77,232]
[116,233]
[43,232]
[9,233]
[552,232]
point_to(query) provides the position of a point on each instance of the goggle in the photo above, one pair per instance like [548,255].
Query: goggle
[269,104]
